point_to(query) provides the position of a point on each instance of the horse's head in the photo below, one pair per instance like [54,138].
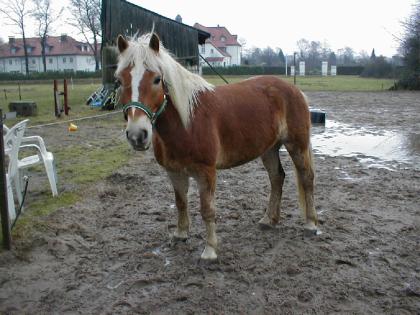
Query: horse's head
[143,92]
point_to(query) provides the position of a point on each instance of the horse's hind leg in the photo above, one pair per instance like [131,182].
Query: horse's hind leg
[272,164]
[302,158]
[180,182]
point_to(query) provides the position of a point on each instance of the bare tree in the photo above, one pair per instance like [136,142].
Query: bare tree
[16,12]
[86,18]
[45,16]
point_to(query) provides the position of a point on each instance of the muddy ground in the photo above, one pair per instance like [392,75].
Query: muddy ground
[112,252]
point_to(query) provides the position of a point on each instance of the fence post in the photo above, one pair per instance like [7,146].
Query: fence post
[20,94]
[66,105]
[4,209]
[55,99]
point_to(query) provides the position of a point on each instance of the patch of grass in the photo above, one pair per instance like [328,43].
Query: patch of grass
[42,94]
[31,218]
[84,166]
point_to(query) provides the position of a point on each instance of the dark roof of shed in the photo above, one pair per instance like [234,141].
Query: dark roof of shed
[202,35]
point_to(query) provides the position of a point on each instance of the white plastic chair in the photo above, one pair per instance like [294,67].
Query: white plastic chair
[12,141]
[42,156]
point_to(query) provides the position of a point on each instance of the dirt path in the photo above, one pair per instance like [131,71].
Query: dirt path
[112,253]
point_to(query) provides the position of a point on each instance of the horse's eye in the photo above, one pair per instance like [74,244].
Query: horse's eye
[157,80]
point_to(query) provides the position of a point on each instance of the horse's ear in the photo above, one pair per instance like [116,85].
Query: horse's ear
[122,43]
[154,42]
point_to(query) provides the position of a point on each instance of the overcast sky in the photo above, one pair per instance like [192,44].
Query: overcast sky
[359,24]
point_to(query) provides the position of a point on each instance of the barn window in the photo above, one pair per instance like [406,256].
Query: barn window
[212,51]
[13,51]
[50,60]
[64,60]
[10,62]
[71,59]
[223,39]
[203,49]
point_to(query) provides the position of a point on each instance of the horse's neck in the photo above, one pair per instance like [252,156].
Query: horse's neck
[169,125]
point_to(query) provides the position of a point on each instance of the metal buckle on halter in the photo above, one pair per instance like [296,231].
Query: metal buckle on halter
[143,107]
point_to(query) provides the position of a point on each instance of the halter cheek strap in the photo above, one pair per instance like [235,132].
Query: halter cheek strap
[149,113]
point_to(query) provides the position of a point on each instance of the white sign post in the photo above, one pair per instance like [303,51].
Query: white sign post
[324,68]
[302,68]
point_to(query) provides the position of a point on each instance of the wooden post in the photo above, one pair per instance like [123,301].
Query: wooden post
[4,209]
[66,105]
[55,99]
[20,94]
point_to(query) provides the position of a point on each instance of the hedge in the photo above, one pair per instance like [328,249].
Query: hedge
[350,70]
[7,76]
[245,70]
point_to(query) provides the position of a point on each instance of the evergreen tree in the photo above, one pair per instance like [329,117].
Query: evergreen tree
[372,55]
[410,48]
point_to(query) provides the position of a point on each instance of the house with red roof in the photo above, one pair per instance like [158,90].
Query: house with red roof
[222,48]
[63,53]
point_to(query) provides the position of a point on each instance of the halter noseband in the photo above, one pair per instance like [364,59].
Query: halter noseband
[143,107]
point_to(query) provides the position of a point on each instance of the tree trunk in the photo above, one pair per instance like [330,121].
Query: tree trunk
[26,52]
[44,59]
[95,51]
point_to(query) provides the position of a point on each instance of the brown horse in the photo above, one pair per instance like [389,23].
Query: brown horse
[197,128]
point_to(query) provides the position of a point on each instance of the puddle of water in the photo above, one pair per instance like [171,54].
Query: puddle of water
[376,148]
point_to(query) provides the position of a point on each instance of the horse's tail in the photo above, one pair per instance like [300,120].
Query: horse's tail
[306,175]
[301,178]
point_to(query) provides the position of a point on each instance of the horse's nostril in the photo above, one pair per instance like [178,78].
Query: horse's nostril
[143,135]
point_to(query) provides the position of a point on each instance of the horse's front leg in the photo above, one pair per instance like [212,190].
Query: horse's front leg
[180,182]
[206,180]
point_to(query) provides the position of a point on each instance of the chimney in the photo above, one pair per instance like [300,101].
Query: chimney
[178,18]
[63,37]
[11,40]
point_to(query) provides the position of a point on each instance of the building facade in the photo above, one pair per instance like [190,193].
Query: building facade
[222,49]
[63,53]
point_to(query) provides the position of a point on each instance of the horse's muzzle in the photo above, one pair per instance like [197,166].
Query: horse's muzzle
[138,141]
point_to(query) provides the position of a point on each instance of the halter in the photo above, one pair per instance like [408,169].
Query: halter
[143,107]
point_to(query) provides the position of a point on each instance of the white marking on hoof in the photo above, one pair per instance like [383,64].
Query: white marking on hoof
[265,223]
[310,229]
[180,235]
[209,253]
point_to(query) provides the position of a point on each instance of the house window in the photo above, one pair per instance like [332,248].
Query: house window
[29,50]
[212,51]
[71,59]
[10,62]
[223,39]
[64,60]
[50,60]
[13,51]
[33,61]
[203,49]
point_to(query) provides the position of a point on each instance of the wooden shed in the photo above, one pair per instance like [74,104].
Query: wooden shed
[122,17]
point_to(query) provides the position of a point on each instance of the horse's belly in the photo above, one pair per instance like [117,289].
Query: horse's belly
[242,149]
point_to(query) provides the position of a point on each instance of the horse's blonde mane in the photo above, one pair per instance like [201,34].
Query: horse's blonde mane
[183,85]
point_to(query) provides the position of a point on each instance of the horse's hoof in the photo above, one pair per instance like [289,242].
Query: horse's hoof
[265,224]
[310,229]
[181,236]
[209,253]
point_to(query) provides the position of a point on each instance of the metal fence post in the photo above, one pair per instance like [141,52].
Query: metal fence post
[4,209]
